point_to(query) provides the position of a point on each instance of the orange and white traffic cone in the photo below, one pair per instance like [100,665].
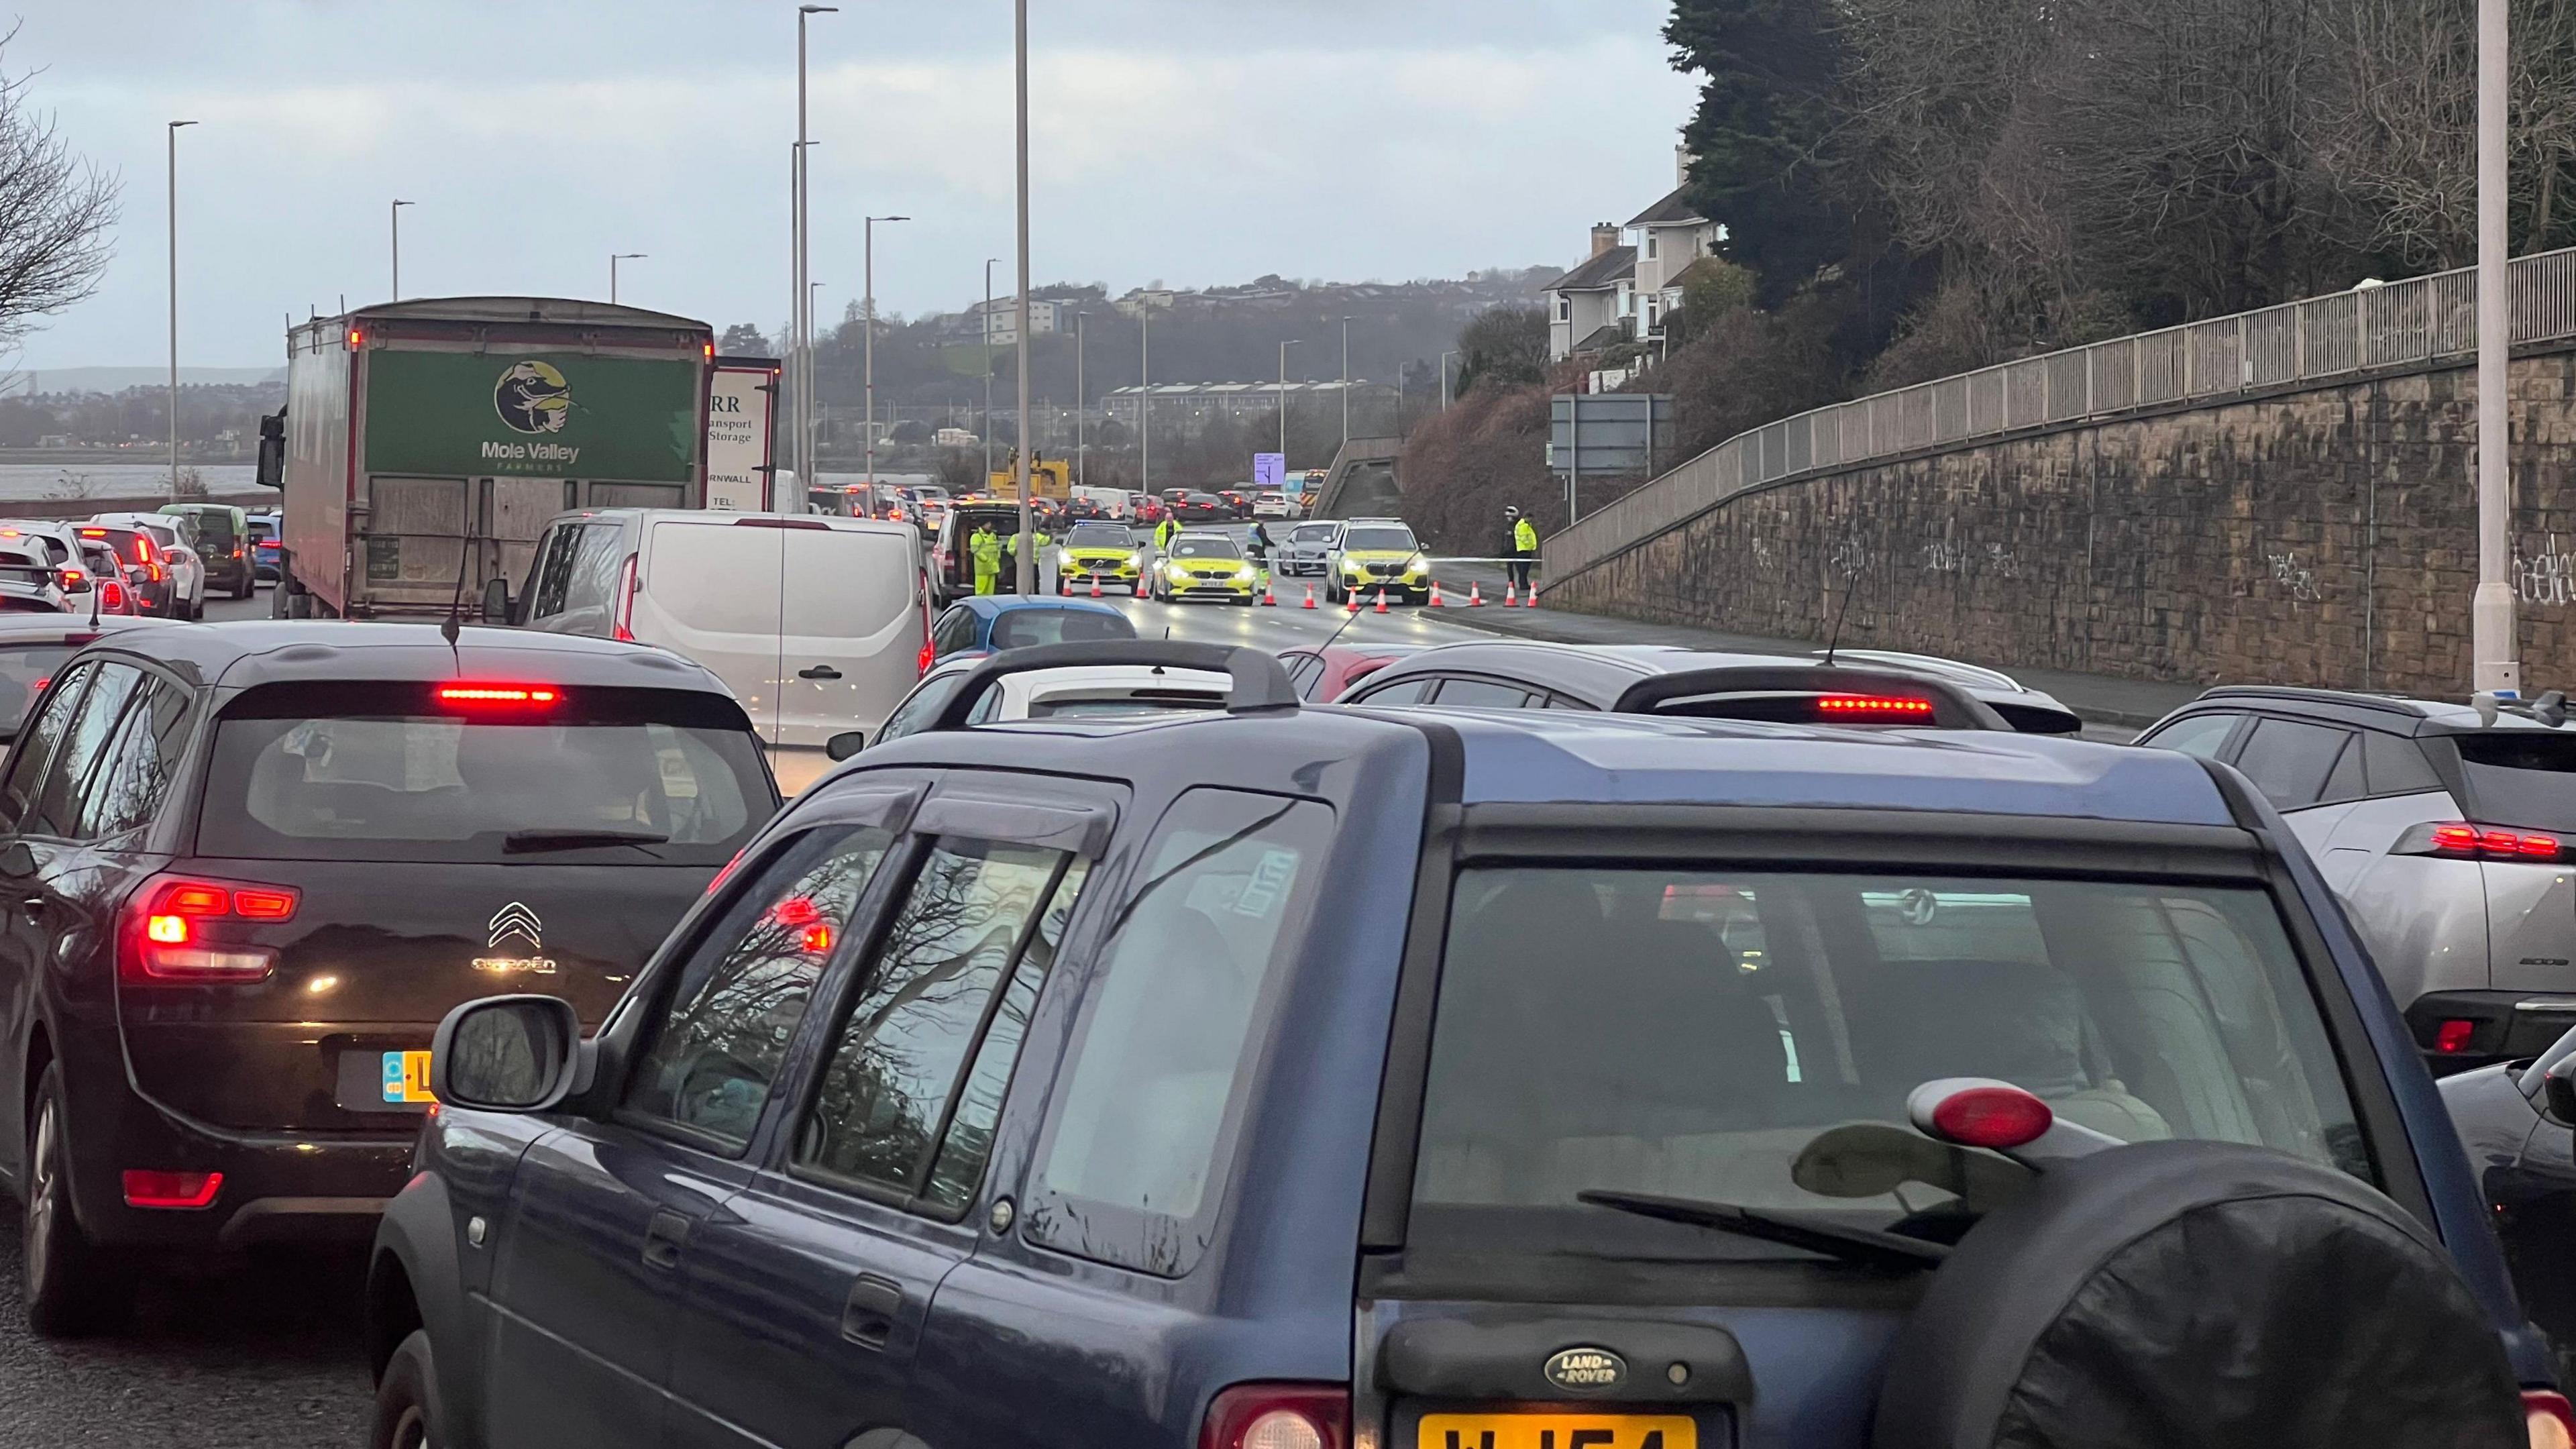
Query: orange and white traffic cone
[1095,586]
[1144,590]
[1510,597]
[1267,600]
[1354,596]
[1310,596]
[1475,595]
[1529,599]
[1434,602]
[1381,600]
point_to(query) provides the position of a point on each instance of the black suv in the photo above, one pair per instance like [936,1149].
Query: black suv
[250,865]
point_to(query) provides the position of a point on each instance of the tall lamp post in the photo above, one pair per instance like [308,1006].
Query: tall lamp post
[1346,382]
[393,217]
[1283,398]
[817,412]
[174,305]
[2495,644]
[869,307]
[1081,400]
[989,264]
[800,287]
[613,259]
[1144,400]
[1028,569]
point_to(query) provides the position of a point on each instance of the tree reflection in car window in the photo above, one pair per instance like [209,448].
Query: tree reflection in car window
[740,997]
[902,1046]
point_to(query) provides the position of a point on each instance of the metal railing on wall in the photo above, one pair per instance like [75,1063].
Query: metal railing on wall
[2417,321]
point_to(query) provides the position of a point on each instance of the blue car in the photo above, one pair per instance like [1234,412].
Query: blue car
[983,624]
[1318,1077]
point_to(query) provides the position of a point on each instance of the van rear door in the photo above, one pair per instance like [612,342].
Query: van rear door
[710,590]
[850,628]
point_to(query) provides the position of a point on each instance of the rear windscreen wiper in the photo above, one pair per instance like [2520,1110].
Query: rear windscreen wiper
[1866,1246]
[522,842]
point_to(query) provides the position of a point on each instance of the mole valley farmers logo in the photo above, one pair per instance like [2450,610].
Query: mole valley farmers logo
[532,397]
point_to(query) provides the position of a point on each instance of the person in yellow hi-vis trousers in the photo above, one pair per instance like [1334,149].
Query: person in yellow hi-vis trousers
[986,550]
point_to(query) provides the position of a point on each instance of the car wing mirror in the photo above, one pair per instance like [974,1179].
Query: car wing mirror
[846,744]
[496,601]
[514,1054]
[2558,1090]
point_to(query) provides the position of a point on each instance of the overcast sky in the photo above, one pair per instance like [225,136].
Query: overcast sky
[1186,141]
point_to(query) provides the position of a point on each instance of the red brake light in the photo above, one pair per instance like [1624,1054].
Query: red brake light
[190,930]
[2452,1037]
[112,596]
[1998,1118]
[1278,1416]
[41,685]
[74,579]
[534,696]
[2455,837]
[2549,1419]
[2488,841]
[149,1189]
[1866,706]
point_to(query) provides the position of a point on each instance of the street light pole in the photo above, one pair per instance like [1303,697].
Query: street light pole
[989,263]
[869,306]
[1346,382]
[1283,399]
[816,414]
[174,305]
[1144,399]
[393,214]
[1081,400]
[804,265]
[2495,645]
[613,259]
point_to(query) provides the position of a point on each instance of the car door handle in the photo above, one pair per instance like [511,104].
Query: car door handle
[867,1316]
[663,1238]
[819,671]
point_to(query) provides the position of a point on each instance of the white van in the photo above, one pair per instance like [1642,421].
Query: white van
[816,624]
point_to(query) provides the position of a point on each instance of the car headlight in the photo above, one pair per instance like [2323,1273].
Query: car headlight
[1246,573]
[1176,571]
[1417,568]
[1353,569]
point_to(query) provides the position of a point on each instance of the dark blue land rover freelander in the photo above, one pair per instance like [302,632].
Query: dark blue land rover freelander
[1323,1078]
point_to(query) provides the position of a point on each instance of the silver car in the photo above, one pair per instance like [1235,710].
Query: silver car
[2449,831]
[1303,549]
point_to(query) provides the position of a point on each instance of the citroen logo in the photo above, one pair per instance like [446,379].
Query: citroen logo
[515,919]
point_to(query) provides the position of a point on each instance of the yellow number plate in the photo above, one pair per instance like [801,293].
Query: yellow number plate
[1557,1431]
[407,1077]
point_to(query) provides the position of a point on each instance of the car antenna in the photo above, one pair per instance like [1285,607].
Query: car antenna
[1834,639]
[96,588]
[448,628]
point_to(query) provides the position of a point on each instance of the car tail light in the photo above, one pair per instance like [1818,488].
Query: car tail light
[2549,1419]
[74,581]
[2453,1037]
[147,1188]
[1872,707]
[2463,841]
[182,929]
[627,584]
[499,696]
[1278,1416]
[111,595]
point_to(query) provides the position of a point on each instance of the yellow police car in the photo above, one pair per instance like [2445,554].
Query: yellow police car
[1098,553]
[1374,556]
[1206,566]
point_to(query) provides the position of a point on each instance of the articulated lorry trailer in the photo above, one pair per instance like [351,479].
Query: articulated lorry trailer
[425,444]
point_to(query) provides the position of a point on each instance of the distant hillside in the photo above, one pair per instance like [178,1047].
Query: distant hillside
[31,382]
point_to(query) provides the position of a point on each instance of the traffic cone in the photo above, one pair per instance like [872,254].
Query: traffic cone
[1354,596]
[1143,589]
[1310,596]
[1381,600]
[1509,597]
[1529,600]
[1475,594]
[1435,597]
[1267,601]
[1095,586]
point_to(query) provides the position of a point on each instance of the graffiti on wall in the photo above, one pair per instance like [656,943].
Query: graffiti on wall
[2292,577]
[2548,577]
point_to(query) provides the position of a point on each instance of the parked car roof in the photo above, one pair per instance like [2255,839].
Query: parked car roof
[266,651]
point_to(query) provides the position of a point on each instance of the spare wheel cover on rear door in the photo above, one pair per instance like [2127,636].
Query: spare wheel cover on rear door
[2202,1294]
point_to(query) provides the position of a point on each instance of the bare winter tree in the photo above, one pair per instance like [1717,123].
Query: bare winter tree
[57,213]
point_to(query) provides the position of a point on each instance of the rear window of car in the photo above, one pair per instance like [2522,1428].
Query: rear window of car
[1023,628]
[1374,540]
[389,772]
[1715,1035]
[2519,777]
[25,670]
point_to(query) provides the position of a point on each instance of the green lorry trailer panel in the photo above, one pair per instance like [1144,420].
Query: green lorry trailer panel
[540,414]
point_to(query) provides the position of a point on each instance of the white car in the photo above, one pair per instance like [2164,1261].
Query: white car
[1109,689]
[30,583]
[176,542]
[1276,503]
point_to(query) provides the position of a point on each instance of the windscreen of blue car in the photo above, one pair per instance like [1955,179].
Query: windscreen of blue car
[1022,628]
